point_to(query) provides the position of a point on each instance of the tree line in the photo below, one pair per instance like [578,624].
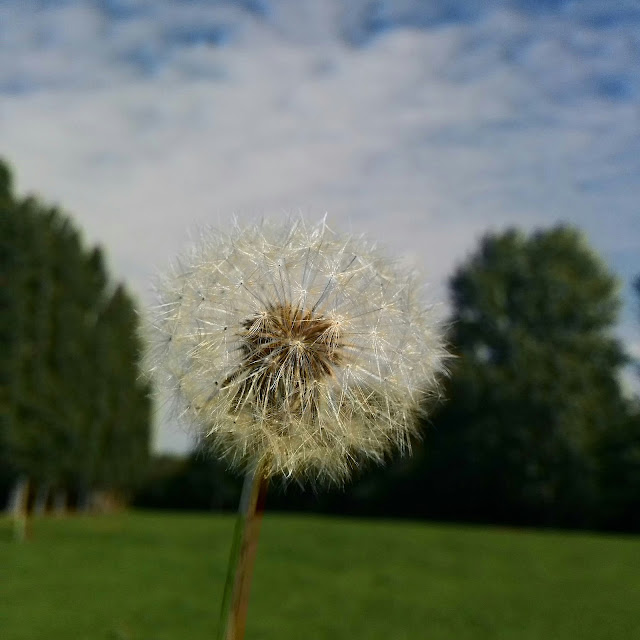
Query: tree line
[74,414]
[535,428]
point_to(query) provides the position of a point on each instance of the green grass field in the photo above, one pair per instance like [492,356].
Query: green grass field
[160,577]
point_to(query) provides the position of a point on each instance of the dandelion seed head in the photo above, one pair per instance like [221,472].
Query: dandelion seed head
[296,348]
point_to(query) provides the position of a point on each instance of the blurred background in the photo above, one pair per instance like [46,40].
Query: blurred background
[494,145]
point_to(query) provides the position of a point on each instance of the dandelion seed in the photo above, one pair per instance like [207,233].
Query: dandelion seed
[295,349]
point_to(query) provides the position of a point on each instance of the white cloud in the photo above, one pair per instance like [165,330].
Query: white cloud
[423,138]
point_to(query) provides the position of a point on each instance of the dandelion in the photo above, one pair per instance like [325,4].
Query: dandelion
[293,351]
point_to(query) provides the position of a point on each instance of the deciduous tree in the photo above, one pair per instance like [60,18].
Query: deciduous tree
[535,386]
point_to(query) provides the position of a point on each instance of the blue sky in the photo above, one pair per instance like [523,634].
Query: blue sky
[424,124]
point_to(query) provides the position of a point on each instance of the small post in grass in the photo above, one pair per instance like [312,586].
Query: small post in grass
[19,506]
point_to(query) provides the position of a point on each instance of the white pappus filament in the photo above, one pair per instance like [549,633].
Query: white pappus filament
[293,347]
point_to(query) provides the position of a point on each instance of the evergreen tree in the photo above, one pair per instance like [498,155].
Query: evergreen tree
[124,438]
[68,365]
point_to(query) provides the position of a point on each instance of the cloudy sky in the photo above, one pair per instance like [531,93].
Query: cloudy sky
[421,122]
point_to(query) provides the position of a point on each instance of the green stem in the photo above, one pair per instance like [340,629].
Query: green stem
[235,601]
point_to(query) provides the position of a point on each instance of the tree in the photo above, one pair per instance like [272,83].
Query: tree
[534,388]
[636,288]
[75,414]
[620,467]
[619,456]
[121,437]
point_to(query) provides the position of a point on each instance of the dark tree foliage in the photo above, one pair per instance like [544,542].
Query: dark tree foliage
[636,287]
[620,466]
[199,482]
[75,414]
[534,389]
[620,475]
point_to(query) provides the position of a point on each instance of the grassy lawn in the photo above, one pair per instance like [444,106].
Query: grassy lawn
[159,577]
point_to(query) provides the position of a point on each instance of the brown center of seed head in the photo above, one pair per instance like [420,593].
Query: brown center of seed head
[287,350]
